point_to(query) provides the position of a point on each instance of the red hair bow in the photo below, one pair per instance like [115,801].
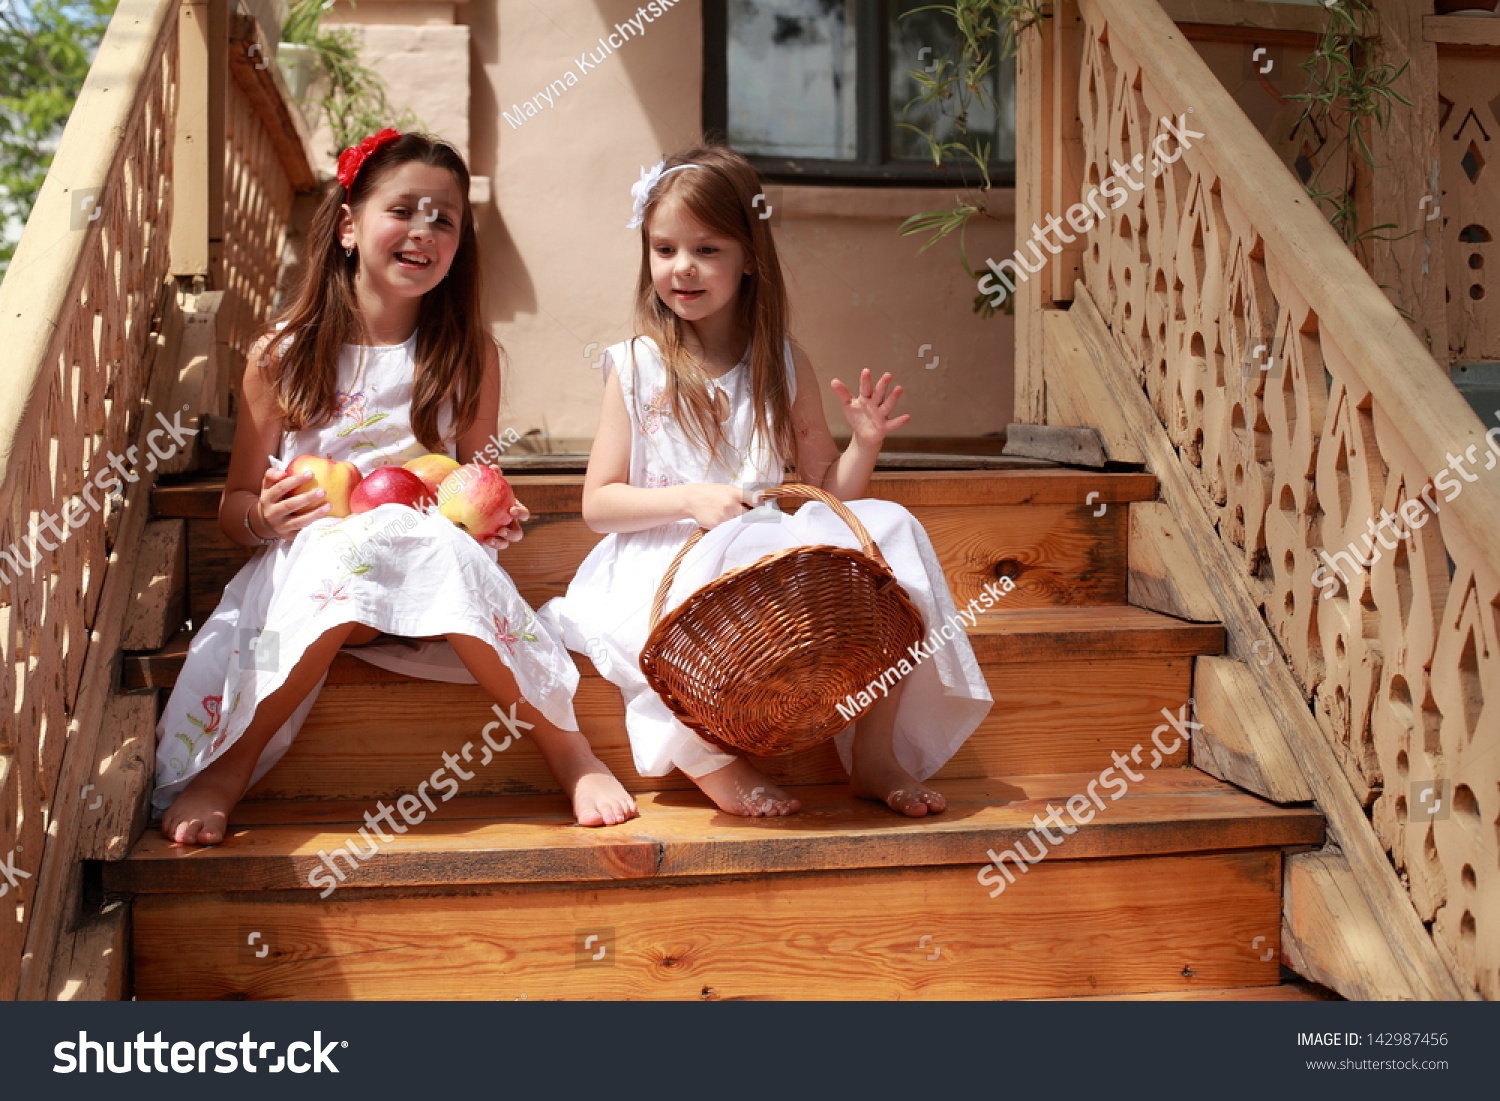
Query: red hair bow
[351,160]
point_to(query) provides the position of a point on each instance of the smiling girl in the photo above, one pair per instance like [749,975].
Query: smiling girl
[382,358]
[709,403]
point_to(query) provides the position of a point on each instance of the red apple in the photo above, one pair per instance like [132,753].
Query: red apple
[432,469]
[476,498]
[336,479]
[389,485]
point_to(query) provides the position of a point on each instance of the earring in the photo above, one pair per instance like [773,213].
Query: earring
[348,252]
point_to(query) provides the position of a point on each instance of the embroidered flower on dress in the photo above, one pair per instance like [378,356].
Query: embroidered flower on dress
[329,594]
[210,705]
[661,481]
[656,409]
[349,405]
[505,636]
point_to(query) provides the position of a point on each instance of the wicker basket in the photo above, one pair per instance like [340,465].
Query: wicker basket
[757,660]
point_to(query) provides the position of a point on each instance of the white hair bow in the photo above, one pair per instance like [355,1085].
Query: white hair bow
[640,191]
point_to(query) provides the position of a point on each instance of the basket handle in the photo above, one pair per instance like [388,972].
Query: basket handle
[788,489]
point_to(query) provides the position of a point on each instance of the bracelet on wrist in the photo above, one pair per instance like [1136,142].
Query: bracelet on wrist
[262,540]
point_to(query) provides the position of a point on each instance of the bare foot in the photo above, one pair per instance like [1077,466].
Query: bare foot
[598,798]
[898,789]
[741,788]
[200,813]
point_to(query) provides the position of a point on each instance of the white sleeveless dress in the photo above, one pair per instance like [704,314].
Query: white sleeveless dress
[404,572]
[606,611]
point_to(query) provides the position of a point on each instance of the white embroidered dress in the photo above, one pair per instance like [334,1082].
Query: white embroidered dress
[404,572]
[606,612]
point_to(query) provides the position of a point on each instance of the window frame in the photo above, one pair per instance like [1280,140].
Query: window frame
[872,165]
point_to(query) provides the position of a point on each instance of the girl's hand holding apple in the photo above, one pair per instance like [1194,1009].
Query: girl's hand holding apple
[512,532]
[288,503]
[477,498]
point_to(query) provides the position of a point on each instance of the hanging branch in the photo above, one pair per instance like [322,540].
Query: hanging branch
[987,32]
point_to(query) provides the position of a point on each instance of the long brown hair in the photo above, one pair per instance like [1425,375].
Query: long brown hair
[324,316]
[721,193]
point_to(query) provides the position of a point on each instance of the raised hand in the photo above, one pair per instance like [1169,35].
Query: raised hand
[869,412]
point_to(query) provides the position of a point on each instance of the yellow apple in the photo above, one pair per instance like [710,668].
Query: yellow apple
[432,469]
[336,479]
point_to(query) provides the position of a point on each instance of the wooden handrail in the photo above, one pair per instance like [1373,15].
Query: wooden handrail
[41,283]
[92,314]
[1281,470]
[1387,356]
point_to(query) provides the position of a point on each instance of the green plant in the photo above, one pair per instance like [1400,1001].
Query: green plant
[355,101]
[1349,92]
[986,33]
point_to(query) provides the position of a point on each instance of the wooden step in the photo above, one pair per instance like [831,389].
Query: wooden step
[1072,686]
[495,898]
[274,845]
[563,493]
[1079,927]
[1037,527]
[1026,635]
[1060,633]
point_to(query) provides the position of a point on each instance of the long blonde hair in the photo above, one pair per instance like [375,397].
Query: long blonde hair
[720,193]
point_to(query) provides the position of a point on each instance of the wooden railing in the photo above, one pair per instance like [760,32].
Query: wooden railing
[1288,409]
[87,310]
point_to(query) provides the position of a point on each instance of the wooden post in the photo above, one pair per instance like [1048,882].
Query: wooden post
[1065,162]
[198,149]
[191,144]
[1046,111]
[217,89]
[1405,187]
[1030,398]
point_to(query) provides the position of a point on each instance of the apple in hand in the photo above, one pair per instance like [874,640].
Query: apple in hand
[432,469]
[338,480]
[478,499]
[389,485]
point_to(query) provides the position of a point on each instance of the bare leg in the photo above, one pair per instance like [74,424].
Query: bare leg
[741,788]
[876,774]
[598,798]
[200,813]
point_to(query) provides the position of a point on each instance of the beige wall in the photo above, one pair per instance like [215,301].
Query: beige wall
[561,267]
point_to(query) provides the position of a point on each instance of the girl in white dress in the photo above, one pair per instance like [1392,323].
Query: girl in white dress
[709,403]
[382,358]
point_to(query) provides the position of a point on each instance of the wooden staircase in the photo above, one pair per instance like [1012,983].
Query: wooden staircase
[1173,890]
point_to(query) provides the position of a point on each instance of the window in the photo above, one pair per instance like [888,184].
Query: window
[816,91]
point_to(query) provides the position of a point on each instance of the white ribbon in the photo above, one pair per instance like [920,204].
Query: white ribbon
[640,191]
